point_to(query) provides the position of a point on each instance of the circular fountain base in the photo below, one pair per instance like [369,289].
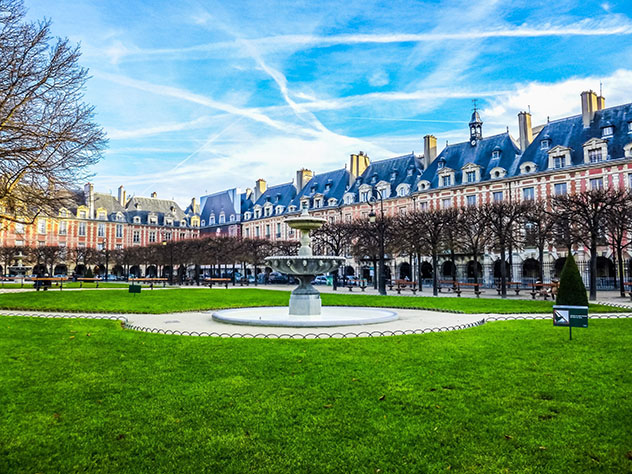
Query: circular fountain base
[279,316]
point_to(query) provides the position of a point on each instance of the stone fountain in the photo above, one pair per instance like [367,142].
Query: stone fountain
[305,299]
[305,306]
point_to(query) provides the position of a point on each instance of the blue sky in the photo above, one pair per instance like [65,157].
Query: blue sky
[199,96]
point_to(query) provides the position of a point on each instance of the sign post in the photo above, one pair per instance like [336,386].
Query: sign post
[571,316]
[134,289]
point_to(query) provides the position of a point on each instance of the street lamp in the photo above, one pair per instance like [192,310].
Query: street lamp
[107,257]
[381,280]
[164,242]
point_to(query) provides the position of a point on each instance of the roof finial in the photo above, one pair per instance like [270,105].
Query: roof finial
[529,107]
[474,103]
[600,89]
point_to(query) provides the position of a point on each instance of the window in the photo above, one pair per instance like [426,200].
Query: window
[119,231]
[471,176]
[446,180]
[594,155]
[82,229]
[545,144]
[402,191]
[136,219]
[169,222]
[471,200]
[278,229]
[82,214]
[101,230]
[423,205]
[247,232]
[495,154]
[102,215]
[364,196]
[559,161]
[19,227]
[446,203]
[118,246]
[136,237]
[349,199]
[629,127]
[607,131]
[528,194]
[100,246]
[498,196]
[41,226]
[596,183]
[167,236]
[232,218]
[267,230]
[63,228]
[153,220]
[559,189]
[222,218]
[211,219]
[441,164]
[267,211]
[257,231]
[152,236]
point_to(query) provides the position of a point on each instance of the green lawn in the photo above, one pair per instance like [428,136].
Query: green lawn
[70,284]
[88,396]
[174,300]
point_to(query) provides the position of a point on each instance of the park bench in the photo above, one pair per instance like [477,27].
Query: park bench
[449,286]
[45,282]
[400,285]
[517,286]
[362,285]
[544,290]
[219,281]
[12,280]
[244,281]
[465,286]
[629,285]
[151,281]
[88,280]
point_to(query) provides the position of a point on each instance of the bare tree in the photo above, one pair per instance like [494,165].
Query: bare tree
[589,210]
[473,234]
[333,238]
[501,218]
[539,229]
[618,228]
[47,135]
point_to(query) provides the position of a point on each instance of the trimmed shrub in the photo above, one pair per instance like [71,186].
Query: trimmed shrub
[89,273]
[572,291]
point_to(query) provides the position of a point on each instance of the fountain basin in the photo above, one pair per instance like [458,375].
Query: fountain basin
[330,316]
[304,265]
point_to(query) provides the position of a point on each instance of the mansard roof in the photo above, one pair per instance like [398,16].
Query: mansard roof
[570,132]
[109,203]
[331,185]
[227,201]
[459,155]
[162,208]
[279,195]
[395,171]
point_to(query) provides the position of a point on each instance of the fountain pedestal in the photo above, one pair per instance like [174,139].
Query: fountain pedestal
[305,300]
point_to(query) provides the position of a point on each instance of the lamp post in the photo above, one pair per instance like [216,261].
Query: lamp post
[165,243]
[107,257]
[381,280]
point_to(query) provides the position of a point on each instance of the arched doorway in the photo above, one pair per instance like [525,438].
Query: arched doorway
[349,271]
[497,270]
[474,269]
[134,271]
[40,269]
[99,270]
[80,270]
[118,270]
[404,271]
[448,269]
[426,270]
[605,273]
[151,271]
[60,270]
[531,270]
[559,265]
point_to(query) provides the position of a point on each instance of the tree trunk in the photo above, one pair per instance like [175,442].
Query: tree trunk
[419,273]
[375,274]
[503,272]
[453,269]
[593,269]
[435,288]
[541,258]
[620,265]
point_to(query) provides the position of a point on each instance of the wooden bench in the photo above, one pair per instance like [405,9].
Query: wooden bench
[44,282]
[151,281]
[517,287]
[88,280]
[244,281]
[465,285]
[629,285]
[362,286]
[544,290]
[400,285]
[448,285]
[219,281]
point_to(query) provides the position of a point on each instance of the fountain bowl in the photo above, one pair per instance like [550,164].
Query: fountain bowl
[305,265]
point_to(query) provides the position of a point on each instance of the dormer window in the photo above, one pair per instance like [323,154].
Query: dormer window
[348,199]
[394,175]
[153,220]
[183,223]
[545,144]
[441,164]
[222,218]
[403,190]
[292,208]
[279,210]
[470,177]
[423,185]
[203,222]
[527,167]
[630,127]
[446,180]
[247,215]
[595,155]
[559,161]
[498,172]
[332,202]
[364,196]
[410,171]
[169,222]
[232,217]
[136,220]
[102,215]
[607,131]
[211,219]
[496,154]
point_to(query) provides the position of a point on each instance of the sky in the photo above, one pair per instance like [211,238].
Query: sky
[199,96]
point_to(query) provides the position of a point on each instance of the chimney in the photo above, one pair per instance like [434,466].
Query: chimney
[430,150]
[121,195]
[601,102]
[358,164]
[154,195]
[194,209]
[525,129]
[260,188]
[589,107]
[302,178]
[88,193]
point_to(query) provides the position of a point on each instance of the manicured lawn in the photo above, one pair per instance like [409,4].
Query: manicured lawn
[70,284]
[88,396]
[174,300]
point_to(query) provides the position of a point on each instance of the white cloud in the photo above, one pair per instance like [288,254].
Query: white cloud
[379,78]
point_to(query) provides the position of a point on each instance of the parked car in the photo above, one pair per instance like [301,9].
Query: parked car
[353,281]
[278,278]
[320,280]
[251,279]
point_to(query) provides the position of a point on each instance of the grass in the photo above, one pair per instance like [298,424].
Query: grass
[87,396]
[70,284]
[175,300]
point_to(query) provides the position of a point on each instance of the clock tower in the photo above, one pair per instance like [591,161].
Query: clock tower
[476,127]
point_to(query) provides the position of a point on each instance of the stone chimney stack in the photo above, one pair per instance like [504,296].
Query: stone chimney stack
[260,188]
[194,206]
[601,102]
[154,195]
[88,193]
[358,164]
[589,107]
[430,150]
[525,129]
[121,196]
[302,178]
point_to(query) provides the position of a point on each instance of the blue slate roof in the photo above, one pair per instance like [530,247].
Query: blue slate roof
[458,155]
[143,207]
[331,185]
[400,169]
[279,195]
[570,132]
[223,201]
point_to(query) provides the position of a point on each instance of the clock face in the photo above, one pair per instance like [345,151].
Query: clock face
[473,141]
